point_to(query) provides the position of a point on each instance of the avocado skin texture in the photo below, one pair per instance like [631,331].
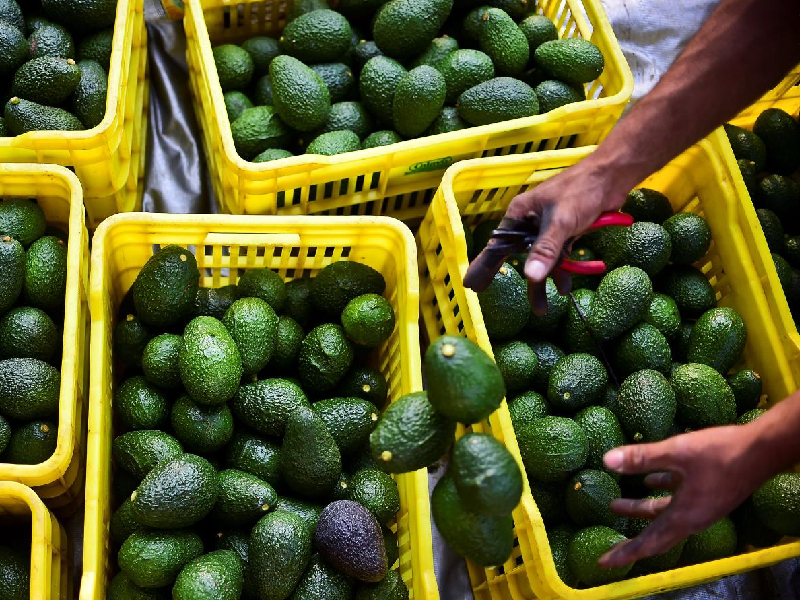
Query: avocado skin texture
[324,582]
[772,228]
[140,405]
[22,220]
[418,98]
[586,547]
[97,46]
[89,99]
[325,356]
[487,477]
[265,284]
[645,204]
[776,503]
[166,287]
[47,80]
[29,388]
[517,362]
[176,493]
[52,40]
[378,82]
[11,13]
[139,451]
[350,538]
[213,302]
[663,314]
[781,136]
[498,99]
[439,48]
[253,325]
[576,381]
[318,36]
[643,347]
[559,538]
[646,406]
[718,541]
[464,384]
[243,498]
[690,235]
[254,455]
[573,60]
[366,383]
[403,29]
[310,462]
[258,129]
[552,448]
[390,587]
[22,116]
[81,15]
[447,121]
[234,67]
[334,142]
[308,512]
[349,421]
[153,559]
[526,408]
[301,97]
[718,339]
[217,575]
[31,443]
[505,304]
[5,433]
[160,360]
[209,362]
[12,271]
[553,94]
[280,550]
[348,115]
[621,300]
[603,433]
[588,496]
[235,104]
[122,588]
[486,541]
[201,429]
[704,397]
[339,79]
[747,387]
[14,49]
[265,405]
[411,417]
[501,39]
[46,275]
[123,524]
[338,283]
[747,145]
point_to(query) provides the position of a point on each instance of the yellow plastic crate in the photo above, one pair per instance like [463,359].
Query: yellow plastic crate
[789,101]
[50,576]
[225,247]
[59,480]
[397,180]
[103,156]
[698,181]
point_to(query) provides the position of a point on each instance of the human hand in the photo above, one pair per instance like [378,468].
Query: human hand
[709,473]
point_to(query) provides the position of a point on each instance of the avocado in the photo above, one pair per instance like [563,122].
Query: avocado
[29,388]
[301,97]
[234,67]
[586,547]
[262,50]
[403,29]
[643,347]
[576,381]
[552,448]
[160,361]
[704,398]
[349,115]
[264,284]
[271,154]
[549,499]
[209,362]
[165,289]
[302,7]
[12,269]
[517,363]
[661,562]
[557,306]
[621,300]
[772,228]
[646,406]
[463,69]
[750,530]
[235,104]
[214,576]
[384,137]
[325,356]
[253,325]
[411,435]
[307,512]
[176,493]
[588,496]
[776,503]
[97,46]
[464,384]
[779,194]
[553,94]
[47,80]
[5,433]
[89,99]
[438,49]
[447,121]
[747,387]
[718,339]
[334,142]
[573,60]
[750,416]
[340,282]
[649,246]
[486,475]
[31,443]
[261,93]
[392,548]
[45,281]
[258,129]
[123,524]
[14,48]
[94,14]
[748,172]
[538,29]
[747,145]
[548,354]
[349,421]
[792,250]
[122,588]
[321,35]
[139,405]
[51,39]
[526,408]
[362,52]
[610,243]
[310,462]
[689,288]
[486,541]
[339,79]
[559,538]
[781,136]
[139,451]
[390,587]
[603,433]
[645,204]
[11,13]
[366,383]
[153,559]
[663,314]
[501,39]
[254,455]
[504,304]
[718,541]
[213,302]
[280,550]
[265,405]
[418,99]
[690,237]
[368,320]
[27,332]
[323,582]
[498,99]
[377,492]
[243,498]
[201,429]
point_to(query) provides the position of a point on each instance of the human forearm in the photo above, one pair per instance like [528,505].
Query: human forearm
[773,436]
[742,50]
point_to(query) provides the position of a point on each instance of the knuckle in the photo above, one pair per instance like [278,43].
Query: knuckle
[547,248]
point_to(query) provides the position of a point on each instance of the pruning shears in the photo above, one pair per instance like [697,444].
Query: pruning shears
[514,236]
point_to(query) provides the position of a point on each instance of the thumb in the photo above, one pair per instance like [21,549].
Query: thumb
[545,253]
[641,458]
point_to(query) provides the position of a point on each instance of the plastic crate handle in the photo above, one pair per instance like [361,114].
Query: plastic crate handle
[252,239]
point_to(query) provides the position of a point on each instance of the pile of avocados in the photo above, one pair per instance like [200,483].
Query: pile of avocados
[33,279]
[54,60]
[372,73]
[769,159]
[639,354]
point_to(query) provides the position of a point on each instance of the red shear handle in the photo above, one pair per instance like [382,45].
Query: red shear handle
[609,218]
[586,267]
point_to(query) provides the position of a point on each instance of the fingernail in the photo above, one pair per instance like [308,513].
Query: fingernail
[613,459]
[535,270]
